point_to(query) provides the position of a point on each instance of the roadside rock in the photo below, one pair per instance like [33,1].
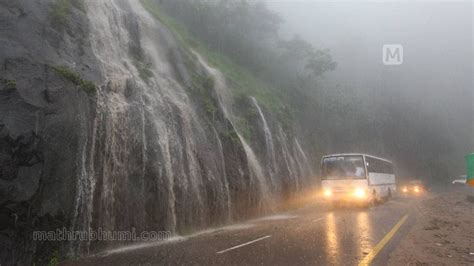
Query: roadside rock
[39,124]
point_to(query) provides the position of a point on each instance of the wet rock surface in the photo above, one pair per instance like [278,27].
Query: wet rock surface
[103,124]
[39,112]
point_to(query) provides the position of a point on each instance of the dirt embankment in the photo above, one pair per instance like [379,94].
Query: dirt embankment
[443,234]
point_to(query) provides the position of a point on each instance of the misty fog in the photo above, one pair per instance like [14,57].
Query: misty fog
[435,79]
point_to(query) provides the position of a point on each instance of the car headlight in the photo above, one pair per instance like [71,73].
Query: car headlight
[405,189]
[327,193]
[417,189]
[359,193]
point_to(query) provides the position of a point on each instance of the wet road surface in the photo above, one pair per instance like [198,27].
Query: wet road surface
[314,235]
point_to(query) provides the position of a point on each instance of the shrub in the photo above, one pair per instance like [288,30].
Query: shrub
[61,9]
[10,83]
[88,86]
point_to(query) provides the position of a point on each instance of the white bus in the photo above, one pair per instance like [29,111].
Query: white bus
[357,178]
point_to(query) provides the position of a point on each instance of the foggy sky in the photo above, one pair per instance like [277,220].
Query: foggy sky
[436,76]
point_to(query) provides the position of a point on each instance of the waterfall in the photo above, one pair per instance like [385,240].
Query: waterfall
[82,217]
[257,173]
[155,120]
[270,148]
[303,162]
[289,161]
[151,160]
[252,160]
[224,175]
[82,196]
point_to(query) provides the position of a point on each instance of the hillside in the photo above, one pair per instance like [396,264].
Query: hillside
[122,123]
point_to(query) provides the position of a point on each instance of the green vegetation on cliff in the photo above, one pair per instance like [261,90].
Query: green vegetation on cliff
[88,86]
[61,9]
[242,82]
[240,38]
[10,83]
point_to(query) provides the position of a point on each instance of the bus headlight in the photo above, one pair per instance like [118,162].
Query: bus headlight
[327,193]
[359,193]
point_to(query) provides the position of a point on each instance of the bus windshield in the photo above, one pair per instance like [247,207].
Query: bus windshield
[343,167]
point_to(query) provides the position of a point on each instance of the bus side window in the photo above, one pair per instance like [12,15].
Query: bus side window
[390,169]
[381,167]
[384,167]
[371,165]
[377,166]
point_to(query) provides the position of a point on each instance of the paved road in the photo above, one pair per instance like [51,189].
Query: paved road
[313,235]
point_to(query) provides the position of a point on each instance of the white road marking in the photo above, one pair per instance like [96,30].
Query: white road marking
[243,245]
[319,219]
[173,239]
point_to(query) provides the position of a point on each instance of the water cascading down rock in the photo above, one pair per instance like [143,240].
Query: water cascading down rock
[144,151]
[153,160]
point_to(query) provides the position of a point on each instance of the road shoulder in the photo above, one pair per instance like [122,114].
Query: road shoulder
[443,233]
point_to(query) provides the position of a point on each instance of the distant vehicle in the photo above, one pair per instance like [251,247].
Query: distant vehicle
[414,187]
[356,178]
[461,180]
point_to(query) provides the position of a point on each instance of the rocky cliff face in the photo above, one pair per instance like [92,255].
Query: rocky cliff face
[107,121]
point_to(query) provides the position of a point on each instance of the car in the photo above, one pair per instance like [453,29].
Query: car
[414,187]
[461,180]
